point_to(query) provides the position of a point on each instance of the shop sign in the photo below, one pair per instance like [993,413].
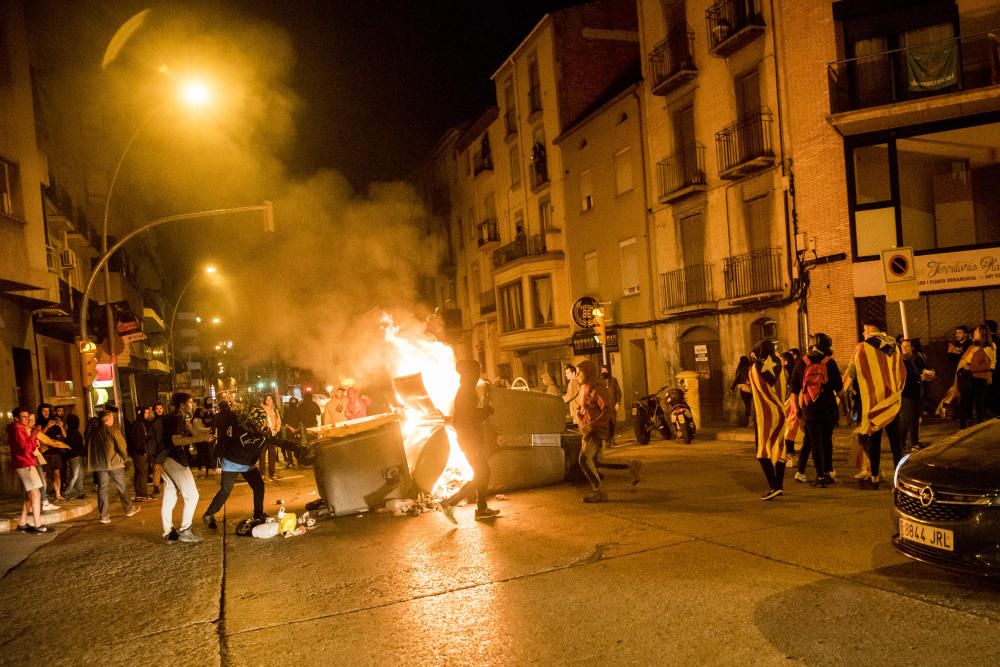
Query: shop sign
[937,272]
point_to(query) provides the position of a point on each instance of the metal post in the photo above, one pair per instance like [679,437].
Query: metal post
[902,316]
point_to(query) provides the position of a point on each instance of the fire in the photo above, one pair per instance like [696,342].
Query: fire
[435,362]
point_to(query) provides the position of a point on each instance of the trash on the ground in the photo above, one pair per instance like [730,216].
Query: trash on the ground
[307,520]
[500,496]
[266,531]
[401,506]
[287,522]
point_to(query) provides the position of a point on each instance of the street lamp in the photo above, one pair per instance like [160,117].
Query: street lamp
[173,317]
[216,321]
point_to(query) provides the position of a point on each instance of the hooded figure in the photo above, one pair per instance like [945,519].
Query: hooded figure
[594,416]
[768,385]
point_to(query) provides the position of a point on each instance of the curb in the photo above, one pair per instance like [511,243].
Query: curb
[64,513]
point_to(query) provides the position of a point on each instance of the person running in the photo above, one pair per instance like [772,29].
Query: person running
[106,456]
[768,386]
[593,415]
[21,437]
[815,383]
[877,368]
[468,421]
[240,440]
[175,467]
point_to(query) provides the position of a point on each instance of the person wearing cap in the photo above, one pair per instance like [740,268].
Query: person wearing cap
[468,420]
[106,456]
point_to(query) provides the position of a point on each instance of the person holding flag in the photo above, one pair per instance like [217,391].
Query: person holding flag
[877,368]
[768,385]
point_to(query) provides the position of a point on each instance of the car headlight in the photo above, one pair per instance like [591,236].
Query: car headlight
[895,475]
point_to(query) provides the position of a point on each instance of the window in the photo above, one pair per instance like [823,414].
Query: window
[591,274]
[623,171]
[519,230]
[545,215]
[490,206]
[510,108]
[8,185]
[542,313]
[534,85]
[466,162]
[511,308]
[586,191]
[747,93]
[629,256]
[871,174]
[539,163]
[515,166]
[757,212]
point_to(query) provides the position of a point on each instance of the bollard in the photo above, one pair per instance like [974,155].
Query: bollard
[688,381]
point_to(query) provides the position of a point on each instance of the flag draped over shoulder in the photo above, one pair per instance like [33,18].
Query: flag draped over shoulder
[768,386]
[794,430]
[878,367]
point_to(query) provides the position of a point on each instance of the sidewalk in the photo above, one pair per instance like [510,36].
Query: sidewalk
[10,511]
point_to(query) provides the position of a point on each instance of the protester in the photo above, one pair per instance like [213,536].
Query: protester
[23,444]
[175,467]
[814,386]
[293,430]
[768,386]
[140,445]
[159,444]
[910,401]
[309,411]
[878,370]
[974,376]
[240,440]
[741,381]
[75,458]
[593,415]
[357,404]
[572,396]
[106,455]
[270,452]
[615,392]
[336,407]
[468,421]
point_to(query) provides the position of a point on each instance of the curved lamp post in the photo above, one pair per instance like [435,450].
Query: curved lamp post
[173,318]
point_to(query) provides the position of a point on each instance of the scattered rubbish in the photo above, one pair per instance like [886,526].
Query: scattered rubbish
[402,507]
[500,496]
[266,531]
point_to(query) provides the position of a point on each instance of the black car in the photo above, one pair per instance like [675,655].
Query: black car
[947,502]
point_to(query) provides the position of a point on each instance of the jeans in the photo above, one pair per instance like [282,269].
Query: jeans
[139,475]
[105,478]
[74,487]
[909,421]
[875,446]
[819,438]
[589,453]
[177,479]
[269,455]
[256,483]
[973,396]
[479,484]
[45,490]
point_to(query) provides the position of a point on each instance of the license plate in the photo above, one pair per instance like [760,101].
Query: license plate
[635,411]
[938,538]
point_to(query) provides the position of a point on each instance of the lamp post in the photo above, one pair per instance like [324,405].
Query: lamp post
[266,208]
[173,318]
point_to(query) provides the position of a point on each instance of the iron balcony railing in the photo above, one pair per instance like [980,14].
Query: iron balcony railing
[756,272]
[686,287]
[682,170]
[487,232]
[733,23]
[487,302]
[671,62]
[745,145]
[914,72]
[526,246]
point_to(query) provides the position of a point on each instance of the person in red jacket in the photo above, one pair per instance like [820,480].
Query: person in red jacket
[594,416]
[23,444]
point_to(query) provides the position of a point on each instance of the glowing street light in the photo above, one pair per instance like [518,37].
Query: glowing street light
[195,93]
[198,319]
[216,321]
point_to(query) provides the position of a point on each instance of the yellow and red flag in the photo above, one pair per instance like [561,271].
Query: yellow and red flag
[768,386]
[878,367]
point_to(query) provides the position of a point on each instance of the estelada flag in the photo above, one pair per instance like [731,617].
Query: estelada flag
[794,430]
[768,386]
[878,366]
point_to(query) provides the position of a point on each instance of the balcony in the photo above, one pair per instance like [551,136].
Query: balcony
[745,147]
[487,232]
[931,81]
[753,274]
[732,24]
[682,174]
[686,287]
[527,246]
[671,62]
[487,302]
[482,161]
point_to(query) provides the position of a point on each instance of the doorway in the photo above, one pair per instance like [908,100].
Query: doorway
[24,376]
[702,353]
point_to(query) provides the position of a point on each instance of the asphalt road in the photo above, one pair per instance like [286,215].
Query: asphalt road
[689,567]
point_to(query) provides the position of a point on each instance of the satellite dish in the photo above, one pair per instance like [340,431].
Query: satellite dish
[121,36]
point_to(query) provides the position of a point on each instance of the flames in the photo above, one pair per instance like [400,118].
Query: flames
[435,362]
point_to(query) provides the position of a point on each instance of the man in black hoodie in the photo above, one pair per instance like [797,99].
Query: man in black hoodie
[816,381]
[240,442]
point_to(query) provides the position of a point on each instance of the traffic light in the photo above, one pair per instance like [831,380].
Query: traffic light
[600,333]
[88,363]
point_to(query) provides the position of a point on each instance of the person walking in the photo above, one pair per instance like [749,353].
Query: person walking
[815,383]
[240,440]
[468,421]
[878,370]
[768,386]
[615,392]
[140,444]
[741,381]
[270,452]
[593,415]
[21,437]
[75,457]
[106,455]
[176,470]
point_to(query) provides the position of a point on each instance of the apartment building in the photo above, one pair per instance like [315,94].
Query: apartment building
[719,188]
[895,136]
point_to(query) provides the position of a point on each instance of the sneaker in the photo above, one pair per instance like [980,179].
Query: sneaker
[48,507]
[133,511]
[209,521]
[821,482]
[449,513]
[21,527]
[486,514]
[800,478]
[870,484]
[171,537]
[829,478]
[634,467]
[105,520]
[596,497]
[864,474]
[187,536]
[772,494]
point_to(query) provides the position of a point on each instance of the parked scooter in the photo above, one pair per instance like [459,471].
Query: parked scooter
[647,416]
[681,418]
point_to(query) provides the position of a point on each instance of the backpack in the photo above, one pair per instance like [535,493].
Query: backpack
[813,380]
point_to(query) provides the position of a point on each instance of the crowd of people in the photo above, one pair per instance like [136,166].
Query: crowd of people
[797,400]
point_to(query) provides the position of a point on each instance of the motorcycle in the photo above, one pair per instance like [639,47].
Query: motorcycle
[647,416]
[681,418]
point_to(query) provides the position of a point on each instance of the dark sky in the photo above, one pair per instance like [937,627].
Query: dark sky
[381,80]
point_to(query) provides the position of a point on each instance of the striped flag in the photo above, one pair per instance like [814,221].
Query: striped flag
[794,428]
[768,386]
[878,366]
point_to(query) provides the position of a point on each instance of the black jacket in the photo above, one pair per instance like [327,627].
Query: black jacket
[236,442]
[824,407]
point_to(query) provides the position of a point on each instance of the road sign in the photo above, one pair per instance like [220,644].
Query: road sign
[900,275]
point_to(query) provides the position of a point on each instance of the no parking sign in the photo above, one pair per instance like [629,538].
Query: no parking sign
[900,275]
